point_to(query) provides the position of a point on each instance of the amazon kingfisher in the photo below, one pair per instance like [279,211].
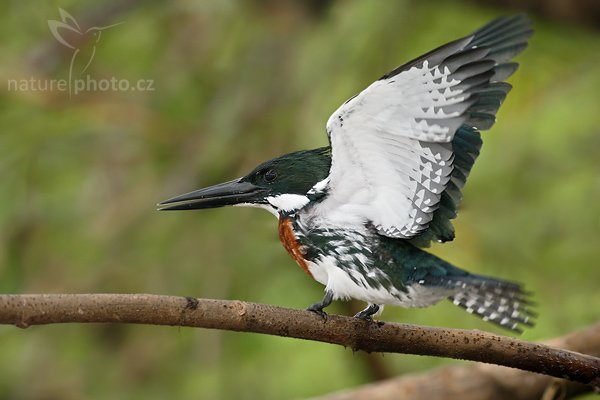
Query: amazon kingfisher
[355,215]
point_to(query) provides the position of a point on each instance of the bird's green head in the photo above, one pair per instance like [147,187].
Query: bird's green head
[282,185]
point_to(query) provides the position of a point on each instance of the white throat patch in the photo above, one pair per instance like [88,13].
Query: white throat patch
[267,207]
[288,202]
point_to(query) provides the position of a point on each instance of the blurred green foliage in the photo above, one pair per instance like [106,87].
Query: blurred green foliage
[238,82]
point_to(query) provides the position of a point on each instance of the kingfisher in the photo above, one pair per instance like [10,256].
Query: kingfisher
[357,214]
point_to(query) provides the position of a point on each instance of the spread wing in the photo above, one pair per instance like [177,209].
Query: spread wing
[403,147]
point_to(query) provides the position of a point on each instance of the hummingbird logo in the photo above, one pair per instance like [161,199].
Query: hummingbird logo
[68,33]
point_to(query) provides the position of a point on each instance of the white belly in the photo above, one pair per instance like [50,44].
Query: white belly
[350,284]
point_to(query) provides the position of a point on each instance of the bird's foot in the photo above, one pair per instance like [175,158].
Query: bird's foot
[367,313]
[317,308]
[319,311]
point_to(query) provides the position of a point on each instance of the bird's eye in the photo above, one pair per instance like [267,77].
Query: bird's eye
[270,175]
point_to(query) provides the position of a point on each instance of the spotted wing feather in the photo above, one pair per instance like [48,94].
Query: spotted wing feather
[466,145]
[395,161]
[503,303]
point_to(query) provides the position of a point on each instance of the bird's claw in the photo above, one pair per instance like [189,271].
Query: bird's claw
[318,311]
[367,313]
[317,308]
[364,316]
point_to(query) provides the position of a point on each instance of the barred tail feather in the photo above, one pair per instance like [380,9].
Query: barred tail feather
[503,303]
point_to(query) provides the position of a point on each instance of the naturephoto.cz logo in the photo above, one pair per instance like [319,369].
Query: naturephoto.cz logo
[82,44]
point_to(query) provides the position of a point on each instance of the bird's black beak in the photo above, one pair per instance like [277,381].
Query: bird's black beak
[223,194]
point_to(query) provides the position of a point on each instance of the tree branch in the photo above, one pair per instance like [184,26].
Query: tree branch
[39,309]
[481,381]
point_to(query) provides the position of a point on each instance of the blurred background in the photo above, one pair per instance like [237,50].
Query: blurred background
[225,85]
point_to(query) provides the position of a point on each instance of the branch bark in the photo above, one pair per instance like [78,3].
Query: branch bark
[481,381]
[39,309]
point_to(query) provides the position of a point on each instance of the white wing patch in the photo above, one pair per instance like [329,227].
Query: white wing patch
[391,153]
[391,157]
[421,103]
